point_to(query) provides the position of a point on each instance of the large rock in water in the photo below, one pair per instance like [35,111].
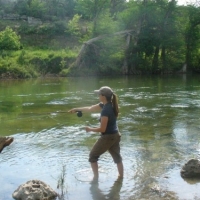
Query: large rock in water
[191,169]
[34,190]
[5,141]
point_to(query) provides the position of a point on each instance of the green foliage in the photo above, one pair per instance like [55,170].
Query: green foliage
[21,58]
[129,17]
[73,26]
[9,40]
[26,29]
[106,24]
[59,27]
[32,63]
[37,8]
[192,35]
[91,9]
[78,29]
[47,62]
[51,9]
[84,8]
[56,28]
[65,72]
[46,29]
[8,69]
[22,7]
[164,36]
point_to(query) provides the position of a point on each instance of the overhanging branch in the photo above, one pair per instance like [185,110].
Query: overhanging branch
[89,42]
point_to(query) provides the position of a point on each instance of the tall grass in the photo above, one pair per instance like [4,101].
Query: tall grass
[61,185]
[31,63]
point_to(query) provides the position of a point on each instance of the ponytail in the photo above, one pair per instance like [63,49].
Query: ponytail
[115,104]
[114,101]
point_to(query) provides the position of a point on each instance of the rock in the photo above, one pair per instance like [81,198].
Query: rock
[156,188]
[191,169]
[5,141]
[34,190]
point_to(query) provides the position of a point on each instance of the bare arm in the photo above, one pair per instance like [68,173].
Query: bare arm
[93,108]
[102,128]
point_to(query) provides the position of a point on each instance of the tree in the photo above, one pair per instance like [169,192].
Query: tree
[21,7]
[9,40]
[92,9]
[73,26]
[152,47]
[192,37]
[60,8]
[36,8]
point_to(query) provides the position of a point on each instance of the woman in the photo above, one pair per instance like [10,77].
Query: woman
[110,136]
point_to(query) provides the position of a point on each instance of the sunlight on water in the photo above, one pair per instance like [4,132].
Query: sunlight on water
[159,122]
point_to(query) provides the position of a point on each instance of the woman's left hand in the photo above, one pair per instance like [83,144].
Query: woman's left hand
[88,129]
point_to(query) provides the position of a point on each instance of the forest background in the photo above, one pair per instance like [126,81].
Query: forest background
[98,37]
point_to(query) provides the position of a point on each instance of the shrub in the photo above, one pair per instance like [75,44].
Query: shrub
[73,26]
[9,40]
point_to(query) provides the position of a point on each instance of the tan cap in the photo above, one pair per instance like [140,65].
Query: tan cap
[105,91]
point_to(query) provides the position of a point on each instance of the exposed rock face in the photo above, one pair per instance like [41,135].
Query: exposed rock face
[34,190]
[191,169]
[5,141]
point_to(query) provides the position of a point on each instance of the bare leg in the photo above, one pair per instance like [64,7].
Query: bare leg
[95,170]
[120,168]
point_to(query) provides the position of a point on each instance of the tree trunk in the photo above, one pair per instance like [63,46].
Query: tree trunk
[155,58]
[184,69]
[125,64]
[163,58]
[169,11]
[135,42]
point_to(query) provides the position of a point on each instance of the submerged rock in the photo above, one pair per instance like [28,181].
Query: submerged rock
[5,141]
[34,190]
[191,169]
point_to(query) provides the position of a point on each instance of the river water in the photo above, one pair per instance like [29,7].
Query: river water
[159,123]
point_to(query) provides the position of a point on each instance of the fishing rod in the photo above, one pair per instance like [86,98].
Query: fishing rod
[78,113]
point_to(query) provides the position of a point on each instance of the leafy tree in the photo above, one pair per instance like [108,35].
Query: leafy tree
[117,6]
[59,8]
[192,37]
[92,9]
[9,40]
[73,26]
[36,8]
[22,7]
[152,45]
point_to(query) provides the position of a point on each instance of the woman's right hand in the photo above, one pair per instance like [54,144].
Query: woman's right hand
[73,110]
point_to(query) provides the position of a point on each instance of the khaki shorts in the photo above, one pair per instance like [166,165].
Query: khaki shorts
[109,142]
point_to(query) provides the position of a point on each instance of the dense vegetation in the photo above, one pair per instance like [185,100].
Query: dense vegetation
[98,37]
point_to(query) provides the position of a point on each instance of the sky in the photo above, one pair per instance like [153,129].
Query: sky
[184,2]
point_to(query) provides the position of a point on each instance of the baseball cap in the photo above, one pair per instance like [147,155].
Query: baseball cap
[105,91]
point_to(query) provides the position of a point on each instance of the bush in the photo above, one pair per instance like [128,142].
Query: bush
[73,26]
[15,71]
[9,40]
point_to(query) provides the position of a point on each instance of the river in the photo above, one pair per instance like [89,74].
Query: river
[159,123]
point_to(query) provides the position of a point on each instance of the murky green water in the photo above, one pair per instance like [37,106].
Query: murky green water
[159,122]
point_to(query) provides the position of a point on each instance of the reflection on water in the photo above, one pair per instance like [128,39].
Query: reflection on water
[113,193]
[159,122]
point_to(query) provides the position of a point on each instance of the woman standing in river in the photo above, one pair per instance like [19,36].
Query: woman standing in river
[110,136]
